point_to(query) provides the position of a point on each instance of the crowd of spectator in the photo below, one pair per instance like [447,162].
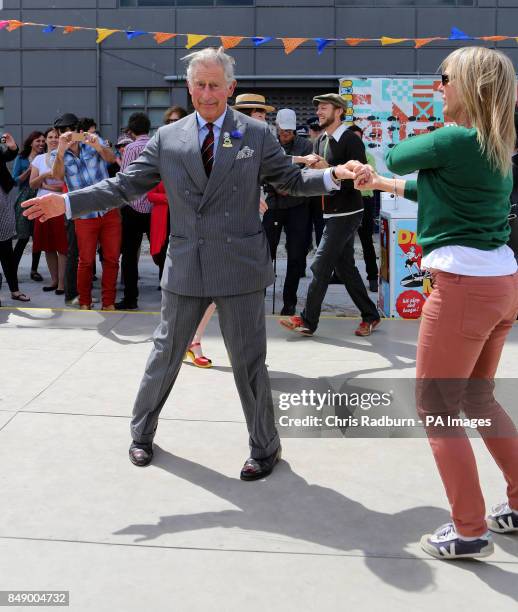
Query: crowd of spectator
[71,154]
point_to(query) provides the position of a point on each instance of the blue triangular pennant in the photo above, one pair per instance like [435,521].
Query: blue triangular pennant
[133,34]
[49,29]
[322,44]
[260,40]
[457,34]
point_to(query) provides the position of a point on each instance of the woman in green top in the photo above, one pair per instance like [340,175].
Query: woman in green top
[463,187]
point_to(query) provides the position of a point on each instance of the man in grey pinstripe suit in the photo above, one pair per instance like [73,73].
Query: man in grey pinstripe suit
[212,164]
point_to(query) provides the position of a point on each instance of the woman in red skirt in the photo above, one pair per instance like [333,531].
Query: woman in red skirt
[50,236]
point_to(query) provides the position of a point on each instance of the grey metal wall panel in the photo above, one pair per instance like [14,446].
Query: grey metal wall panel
[57,68]
[128,68]
[136,19]
[59,4]
[13,107]
[33,37]
[233,21]
[11,68]
[371,22]
[438,21]
[40,105]
[368,61]
[273,61]
[295,22]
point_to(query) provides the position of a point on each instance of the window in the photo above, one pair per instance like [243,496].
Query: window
[194,3]
[2,121]
[153,102]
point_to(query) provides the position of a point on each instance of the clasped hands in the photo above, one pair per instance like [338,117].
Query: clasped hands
[363,175]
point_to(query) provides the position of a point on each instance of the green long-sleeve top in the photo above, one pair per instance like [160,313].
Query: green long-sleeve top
[462,200]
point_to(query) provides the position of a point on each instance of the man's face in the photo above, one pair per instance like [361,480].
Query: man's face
[210,91]
[259,114]
[327,114]
[285,136]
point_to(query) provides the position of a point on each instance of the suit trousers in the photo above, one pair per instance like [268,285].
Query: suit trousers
[242,323]
[336,252]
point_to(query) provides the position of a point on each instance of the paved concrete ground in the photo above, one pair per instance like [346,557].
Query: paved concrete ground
[335,527]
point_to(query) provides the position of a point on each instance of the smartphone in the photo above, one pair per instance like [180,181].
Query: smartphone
[78,137]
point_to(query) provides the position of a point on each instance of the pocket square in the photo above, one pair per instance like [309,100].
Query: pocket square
[245,153]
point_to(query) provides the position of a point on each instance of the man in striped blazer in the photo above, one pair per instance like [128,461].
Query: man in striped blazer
[212,163]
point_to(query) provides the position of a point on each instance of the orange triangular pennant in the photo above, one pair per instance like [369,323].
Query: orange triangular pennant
[495,38]
[194,39]
[230,41]
[355,41]
[421,42]
[70,29]
[14,24]
[290,44]
[162,37]
[386,40]
[103,33]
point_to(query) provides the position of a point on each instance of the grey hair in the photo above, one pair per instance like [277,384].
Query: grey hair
[210,55]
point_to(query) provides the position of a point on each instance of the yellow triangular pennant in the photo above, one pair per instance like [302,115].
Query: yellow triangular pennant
[194,39]
[103,33]
[230,41]
[386,40]
[162,37]
[290,44]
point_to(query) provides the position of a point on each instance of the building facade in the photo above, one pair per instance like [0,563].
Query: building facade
[43,75]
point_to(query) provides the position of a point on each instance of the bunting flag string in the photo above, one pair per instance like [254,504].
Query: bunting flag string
[290,44]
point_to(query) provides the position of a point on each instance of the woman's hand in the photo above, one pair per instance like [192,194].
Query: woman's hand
[367,181]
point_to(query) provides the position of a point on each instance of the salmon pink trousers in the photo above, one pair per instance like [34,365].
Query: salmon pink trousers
[464,325]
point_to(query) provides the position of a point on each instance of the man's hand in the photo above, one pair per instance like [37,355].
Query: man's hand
[314,161]
[44,208]
[10,142]
[93,141]
[263,207]
[65,142]
[353,170]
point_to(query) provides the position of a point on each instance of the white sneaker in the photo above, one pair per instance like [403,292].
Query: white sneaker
[502,519]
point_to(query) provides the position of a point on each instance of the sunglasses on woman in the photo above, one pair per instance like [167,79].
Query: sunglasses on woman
[445,79]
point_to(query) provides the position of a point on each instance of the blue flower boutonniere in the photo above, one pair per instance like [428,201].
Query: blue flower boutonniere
[236,134]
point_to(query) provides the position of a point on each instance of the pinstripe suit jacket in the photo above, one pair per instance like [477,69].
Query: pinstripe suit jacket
[217,245]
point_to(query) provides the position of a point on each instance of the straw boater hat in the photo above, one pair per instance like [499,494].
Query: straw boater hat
[247,100]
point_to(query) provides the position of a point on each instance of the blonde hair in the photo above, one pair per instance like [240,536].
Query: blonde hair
[486,83]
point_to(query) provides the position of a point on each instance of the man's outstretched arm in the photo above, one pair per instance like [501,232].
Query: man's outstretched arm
[137,179]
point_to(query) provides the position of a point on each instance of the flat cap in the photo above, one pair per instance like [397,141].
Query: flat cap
[332,98]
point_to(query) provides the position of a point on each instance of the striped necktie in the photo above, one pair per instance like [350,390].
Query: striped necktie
[207,149]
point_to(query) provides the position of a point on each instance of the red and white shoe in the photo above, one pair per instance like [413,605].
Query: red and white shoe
[296,324]
[366,328]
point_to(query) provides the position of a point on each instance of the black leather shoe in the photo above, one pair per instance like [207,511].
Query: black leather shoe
[373,285]
[287,311]
[255,469]
[141,454]
[123,305]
